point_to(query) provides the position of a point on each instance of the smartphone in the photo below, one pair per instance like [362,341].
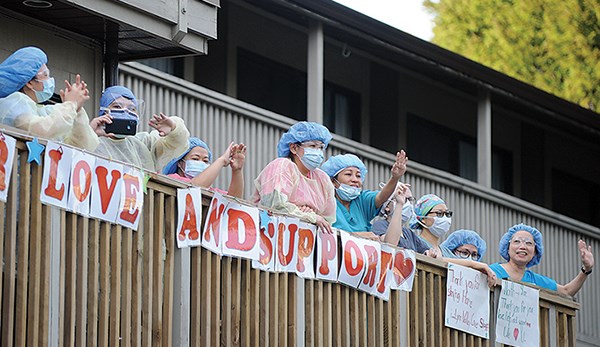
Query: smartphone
[122,123]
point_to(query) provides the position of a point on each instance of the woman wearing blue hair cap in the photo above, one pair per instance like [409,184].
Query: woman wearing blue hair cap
[293,183]
[195,166]
[25,84]
[465,244]
[355,207]
[147,150]
[522,246]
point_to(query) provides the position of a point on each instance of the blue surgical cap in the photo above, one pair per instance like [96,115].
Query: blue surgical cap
[537,238]
[300,132]
[113,93]
[20,68]
[171,167]
[339,162]
[422,207]
[465,237]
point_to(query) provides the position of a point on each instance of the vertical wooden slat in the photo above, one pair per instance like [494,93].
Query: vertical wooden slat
[274,279]
[147,268]
[104,297]
[236,316]
[93,283]
[126,289]
[157,266]
[265,308]
[226,334]
[309,310]
[35,276]
[292,310]
[115,285]
[169,269]
[338,309]
[283,309]
[70,275]
[45,276]
[22,253]
[254,298]
[81,290]
[137,270]
[198,296]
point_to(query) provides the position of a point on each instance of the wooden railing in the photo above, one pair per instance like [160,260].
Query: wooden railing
[73,281]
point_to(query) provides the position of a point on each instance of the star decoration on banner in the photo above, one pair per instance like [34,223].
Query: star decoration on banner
[146,179]
[35,151]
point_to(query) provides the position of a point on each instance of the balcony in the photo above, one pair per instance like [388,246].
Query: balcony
[69,280]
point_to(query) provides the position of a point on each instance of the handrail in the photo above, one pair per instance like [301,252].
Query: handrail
[135,287]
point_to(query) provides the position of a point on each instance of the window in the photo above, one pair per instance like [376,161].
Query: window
[172,66]
[341,111]
[440,147]
[271,85]
[575,197]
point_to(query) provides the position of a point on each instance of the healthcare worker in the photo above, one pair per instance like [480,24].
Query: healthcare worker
[432,220]
[195,166]
[356,207]
[25,84]
[465,244]
[293,183]
[147,150]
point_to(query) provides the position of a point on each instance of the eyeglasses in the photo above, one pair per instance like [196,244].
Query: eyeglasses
[466,254]
[410,199]
[526,241]
[313,144]
[447,213]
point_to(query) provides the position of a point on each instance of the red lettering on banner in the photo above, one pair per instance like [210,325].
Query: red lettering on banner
[132,186]
[372,260]
[286,257]
[189,220]
[386,263]
[349,247]
[306,243]
[106,192]
[3,159]
[233,239]
[266,246]
[328,251]
[55,156]
[214,221]
[85,167]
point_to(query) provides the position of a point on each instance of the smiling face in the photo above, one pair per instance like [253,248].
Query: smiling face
[350,176]
[521,248]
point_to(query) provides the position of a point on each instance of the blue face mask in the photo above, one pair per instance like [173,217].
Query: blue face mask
[347,193]
[407,211]
[194,167]
[312,158]
[47,92]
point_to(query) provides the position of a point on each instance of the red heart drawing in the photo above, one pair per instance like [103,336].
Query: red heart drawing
[403,268]
[516,333]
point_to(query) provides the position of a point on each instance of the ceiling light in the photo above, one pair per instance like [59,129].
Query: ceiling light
[37,3]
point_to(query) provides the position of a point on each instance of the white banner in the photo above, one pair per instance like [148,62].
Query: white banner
[517,320]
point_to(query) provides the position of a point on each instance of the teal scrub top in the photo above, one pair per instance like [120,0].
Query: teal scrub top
[362,210]
[528,277]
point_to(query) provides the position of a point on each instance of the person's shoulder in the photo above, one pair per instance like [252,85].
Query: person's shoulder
[499,270]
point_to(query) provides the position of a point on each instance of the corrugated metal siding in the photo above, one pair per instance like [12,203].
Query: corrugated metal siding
[219,119]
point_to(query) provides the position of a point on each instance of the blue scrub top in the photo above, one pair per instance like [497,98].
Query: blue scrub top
[362,210]
[528,277]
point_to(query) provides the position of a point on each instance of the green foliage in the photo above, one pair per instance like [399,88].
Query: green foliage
[553,45]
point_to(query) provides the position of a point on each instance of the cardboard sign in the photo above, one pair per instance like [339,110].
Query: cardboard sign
[384,283]
[404,267]
[353,260]
[7,155]
[241,231]
[267,243]
[106,190]
[211,235]
[132,198]
[327,256]
[287,238]
[306,250]
[83,165]
[517,319]
[57,171]
[467,301]
[372,252]
[189,217]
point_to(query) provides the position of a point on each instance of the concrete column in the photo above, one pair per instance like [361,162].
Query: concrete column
[314,83]
[484,139]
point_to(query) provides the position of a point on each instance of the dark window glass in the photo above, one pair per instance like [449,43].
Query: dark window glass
[341,111]
[271,85]
[172,66]
[575,197]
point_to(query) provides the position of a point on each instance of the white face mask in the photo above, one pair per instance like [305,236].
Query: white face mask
[194,168]
[407,212]
[440,226]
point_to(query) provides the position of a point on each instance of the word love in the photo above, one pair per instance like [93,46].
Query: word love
[91,186]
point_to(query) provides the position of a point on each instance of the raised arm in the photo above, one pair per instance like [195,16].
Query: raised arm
[397,170]
[587,261]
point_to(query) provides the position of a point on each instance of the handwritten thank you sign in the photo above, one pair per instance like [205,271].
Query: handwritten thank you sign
[517,320]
